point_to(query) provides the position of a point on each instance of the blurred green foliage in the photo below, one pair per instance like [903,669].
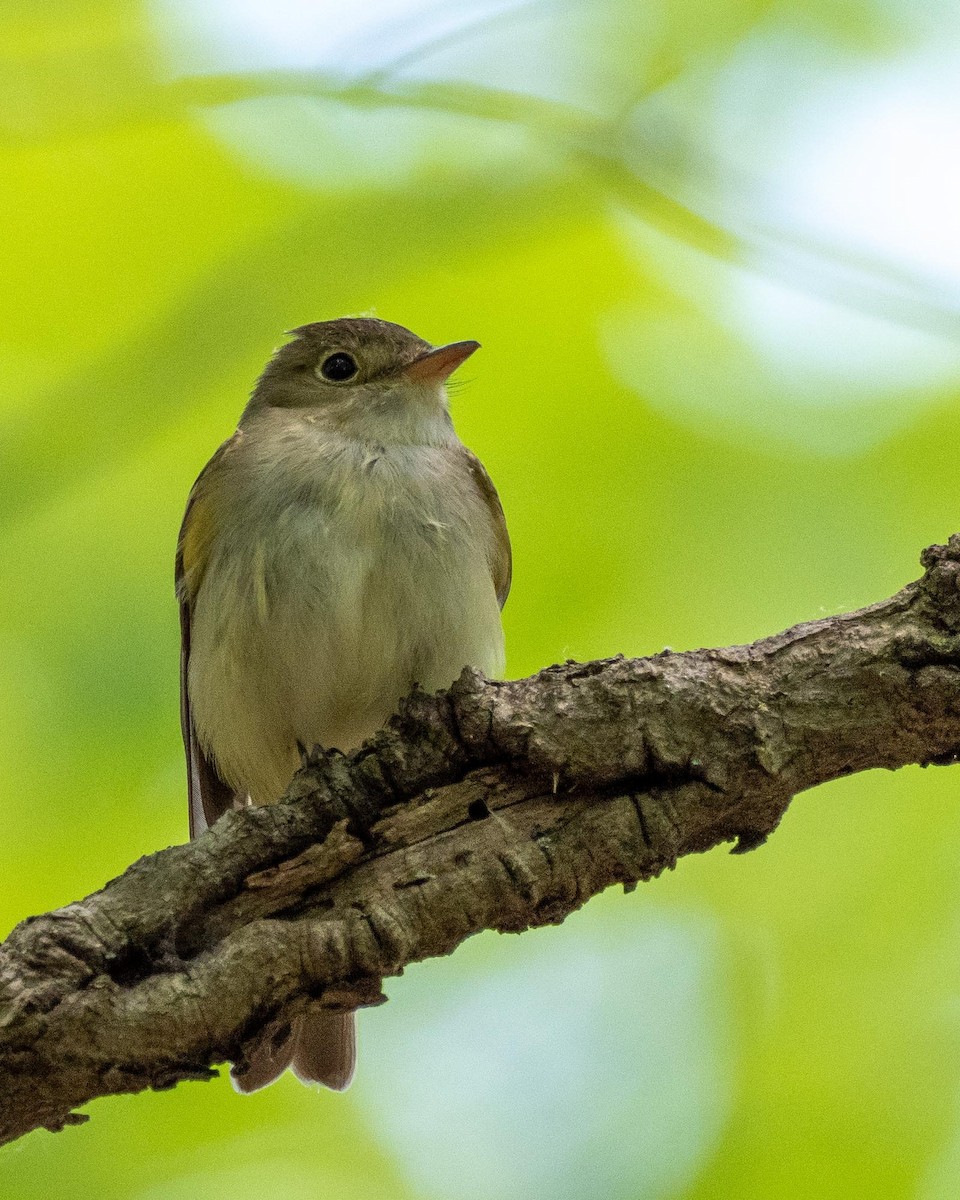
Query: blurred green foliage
[713,407]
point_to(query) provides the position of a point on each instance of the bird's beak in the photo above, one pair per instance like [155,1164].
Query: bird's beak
[437,365]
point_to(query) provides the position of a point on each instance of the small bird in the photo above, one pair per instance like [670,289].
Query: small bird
[343,546]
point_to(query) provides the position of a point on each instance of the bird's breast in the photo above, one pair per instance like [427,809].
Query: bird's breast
[338,582]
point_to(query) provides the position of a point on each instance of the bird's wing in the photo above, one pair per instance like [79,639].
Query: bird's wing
[501,556]
[208,795]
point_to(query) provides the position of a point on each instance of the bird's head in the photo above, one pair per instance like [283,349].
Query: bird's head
[368,378]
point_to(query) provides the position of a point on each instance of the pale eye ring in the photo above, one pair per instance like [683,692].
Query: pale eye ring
[339,367]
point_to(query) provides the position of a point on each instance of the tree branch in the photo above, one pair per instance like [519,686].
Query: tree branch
[496,805]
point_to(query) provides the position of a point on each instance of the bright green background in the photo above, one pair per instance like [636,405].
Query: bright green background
[590,190]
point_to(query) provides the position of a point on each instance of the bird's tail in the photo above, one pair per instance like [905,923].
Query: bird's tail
[321,1047]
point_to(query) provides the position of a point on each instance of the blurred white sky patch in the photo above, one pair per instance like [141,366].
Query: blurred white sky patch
[301,131]
[496,1073]
[876,159]
[581,54]
[841,180]
[572,60]
[338,36]
[743,354]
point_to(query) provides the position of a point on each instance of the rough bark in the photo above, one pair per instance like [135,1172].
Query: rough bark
[496,805]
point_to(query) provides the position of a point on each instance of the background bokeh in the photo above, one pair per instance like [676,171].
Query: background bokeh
[713,255]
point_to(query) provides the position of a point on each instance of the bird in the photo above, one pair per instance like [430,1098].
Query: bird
[341,548]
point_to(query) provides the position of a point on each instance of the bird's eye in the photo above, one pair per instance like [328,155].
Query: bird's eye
[339,367]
